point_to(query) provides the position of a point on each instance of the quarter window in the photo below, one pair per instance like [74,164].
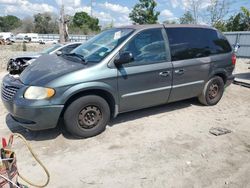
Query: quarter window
[188,43]
[147,47]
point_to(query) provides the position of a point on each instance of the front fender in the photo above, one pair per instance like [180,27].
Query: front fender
[83,87]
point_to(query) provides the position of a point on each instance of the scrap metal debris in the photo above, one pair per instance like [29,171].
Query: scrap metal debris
[217,131]
[244,84]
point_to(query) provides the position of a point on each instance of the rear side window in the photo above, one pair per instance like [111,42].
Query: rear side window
[218,42]
[189,43]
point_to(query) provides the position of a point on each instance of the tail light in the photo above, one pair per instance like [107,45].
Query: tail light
[233,59]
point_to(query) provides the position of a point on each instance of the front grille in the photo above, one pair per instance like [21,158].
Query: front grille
[8,92]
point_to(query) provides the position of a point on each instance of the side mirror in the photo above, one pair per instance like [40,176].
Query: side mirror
[58,53]
[124,57]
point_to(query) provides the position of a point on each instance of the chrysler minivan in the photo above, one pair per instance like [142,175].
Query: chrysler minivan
[119,70]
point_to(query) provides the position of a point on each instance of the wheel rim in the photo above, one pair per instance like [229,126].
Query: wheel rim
[89,117]
[213,91]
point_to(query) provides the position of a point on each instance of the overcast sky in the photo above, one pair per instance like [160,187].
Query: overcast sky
[105,10]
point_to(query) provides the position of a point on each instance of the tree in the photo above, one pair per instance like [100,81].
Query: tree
[9,23]
[27,25]
[220,25]
[144,12]
[217,11]
[170,22]
[193,7]
[187,18]
[108,26]
[235,23]
[82,20]
[41,23]
[45,23]
[246,18]
[239,22]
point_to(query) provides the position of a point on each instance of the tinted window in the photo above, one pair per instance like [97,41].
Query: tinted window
[218,43]
[188,43]
[69,48]
[147,47]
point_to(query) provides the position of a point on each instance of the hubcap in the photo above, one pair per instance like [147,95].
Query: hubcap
[89,117]
[213,91]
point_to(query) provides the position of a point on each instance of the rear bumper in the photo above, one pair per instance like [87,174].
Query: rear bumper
[34,117]
[230,80]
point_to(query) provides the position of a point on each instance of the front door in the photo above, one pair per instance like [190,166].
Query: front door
[147,80]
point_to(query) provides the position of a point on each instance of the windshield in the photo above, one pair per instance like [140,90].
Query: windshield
[51,49]
[97,48]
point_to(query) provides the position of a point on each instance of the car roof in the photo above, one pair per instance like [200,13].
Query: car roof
[149,26]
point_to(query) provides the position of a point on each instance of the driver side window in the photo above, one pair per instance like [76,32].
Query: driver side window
[147,47]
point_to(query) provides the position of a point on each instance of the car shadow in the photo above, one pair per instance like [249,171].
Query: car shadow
[49,134]
[129,116]
[245,76]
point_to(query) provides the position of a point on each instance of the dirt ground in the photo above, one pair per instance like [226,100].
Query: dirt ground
[165,146]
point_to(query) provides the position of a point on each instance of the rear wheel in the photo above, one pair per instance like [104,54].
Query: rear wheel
[212,92]
[87,116]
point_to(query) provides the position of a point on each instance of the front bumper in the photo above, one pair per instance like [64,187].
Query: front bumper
[34,117]
[31,114]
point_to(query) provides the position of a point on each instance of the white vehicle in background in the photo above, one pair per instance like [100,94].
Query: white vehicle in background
[34,37]
[6,35]
[48,41]
[17,64]
[27,37]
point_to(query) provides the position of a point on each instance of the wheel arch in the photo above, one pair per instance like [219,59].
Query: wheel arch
[220,73]
[106,95]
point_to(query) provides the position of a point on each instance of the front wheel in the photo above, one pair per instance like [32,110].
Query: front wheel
[87,116]
[212,91]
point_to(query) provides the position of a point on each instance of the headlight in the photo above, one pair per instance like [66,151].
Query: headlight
[36,93]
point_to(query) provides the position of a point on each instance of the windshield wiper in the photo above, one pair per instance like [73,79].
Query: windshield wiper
[79,56]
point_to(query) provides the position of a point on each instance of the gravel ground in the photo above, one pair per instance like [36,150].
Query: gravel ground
[165,146]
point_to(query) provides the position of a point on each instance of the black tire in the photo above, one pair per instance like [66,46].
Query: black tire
[87,116]
[212,92]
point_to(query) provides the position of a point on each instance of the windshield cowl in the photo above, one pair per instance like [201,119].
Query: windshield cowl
[74,56]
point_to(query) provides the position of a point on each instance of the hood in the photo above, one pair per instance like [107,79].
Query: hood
[31,55]
[47,68]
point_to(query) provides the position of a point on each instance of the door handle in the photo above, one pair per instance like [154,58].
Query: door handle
[179,71]
[164,73]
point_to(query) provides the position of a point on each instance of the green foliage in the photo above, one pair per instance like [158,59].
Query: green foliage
[220,26]
[44,23]
[187,18]
[27,25]
[239,22]
[144,12]
[170,22]
[83,23]
[108,26]
[246,18]
[8,23]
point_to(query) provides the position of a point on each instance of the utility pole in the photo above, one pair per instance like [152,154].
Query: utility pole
[63,28]
[91,7]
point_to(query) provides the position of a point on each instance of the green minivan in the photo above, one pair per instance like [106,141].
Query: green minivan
[119,70]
